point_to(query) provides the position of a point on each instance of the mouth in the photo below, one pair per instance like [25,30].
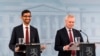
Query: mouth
[27,21]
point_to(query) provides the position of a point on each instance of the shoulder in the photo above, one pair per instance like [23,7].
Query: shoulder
[76,30]
[18,27]
[33,28]
[62,29]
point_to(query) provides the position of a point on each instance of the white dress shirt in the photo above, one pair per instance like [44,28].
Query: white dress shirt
[24,31]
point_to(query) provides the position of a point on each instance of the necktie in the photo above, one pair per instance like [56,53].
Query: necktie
[71,40]
[27,36]
[70,35]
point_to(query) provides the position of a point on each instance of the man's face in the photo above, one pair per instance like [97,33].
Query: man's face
[70,22]
[26,18]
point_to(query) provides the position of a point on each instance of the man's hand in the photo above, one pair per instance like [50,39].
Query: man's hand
[17,49]
[43,47]
[66,47]
[71,44]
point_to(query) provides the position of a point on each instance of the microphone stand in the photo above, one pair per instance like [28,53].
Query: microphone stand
[85,35]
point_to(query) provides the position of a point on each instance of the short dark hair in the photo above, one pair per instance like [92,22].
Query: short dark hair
[25,11]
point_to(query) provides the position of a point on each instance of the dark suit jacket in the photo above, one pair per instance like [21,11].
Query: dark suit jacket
[18,33]
[62,39]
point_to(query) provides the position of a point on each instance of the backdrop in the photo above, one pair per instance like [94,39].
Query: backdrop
[48,17]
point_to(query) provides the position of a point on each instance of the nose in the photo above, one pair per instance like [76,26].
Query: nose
[27,17]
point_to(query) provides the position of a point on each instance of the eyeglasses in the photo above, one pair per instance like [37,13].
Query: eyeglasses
[27,16]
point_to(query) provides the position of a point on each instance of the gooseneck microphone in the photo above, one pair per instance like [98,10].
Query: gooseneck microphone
[85,35]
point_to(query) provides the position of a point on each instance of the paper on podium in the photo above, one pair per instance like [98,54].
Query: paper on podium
[74,46]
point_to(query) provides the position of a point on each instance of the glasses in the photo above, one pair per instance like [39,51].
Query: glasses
[27,16]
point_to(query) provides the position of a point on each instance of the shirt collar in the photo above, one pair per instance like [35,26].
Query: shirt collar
[26,26]
[68,29]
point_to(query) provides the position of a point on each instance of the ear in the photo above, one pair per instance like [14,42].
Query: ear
[21,17]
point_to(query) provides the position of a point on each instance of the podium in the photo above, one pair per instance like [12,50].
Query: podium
[30,49]
[85,49]
[33,50]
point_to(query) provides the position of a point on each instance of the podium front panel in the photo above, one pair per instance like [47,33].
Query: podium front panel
[33,50]
[87,50]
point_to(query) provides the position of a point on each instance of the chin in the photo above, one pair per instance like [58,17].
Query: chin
[26,22]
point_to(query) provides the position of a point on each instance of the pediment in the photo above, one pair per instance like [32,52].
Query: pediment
[45,8]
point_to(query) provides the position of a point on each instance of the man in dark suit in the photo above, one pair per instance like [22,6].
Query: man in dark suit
[64,39]
[20,32]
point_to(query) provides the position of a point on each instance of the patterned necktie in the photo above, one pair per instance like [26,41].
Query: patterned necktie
[27,36]
[71,40]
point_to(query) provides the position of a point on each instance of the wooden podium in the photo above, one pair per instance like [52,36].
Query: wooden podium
[30,49]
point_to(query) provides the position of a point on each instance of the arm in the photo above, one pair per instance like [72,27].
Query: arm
[38,41]
[62,42]
[37,37]
[58,46]
[12,41]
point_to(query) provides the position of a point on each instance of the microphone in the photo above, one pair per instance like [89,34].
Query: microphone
[85,35]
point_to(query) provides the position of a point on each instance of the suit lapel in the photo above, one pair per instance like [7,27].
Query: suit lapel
[31,35]
[66,35]
[75,34]
[21,31]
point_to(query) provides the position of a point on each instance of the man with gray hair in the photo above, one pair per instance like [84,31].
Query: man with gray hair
[65,37]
